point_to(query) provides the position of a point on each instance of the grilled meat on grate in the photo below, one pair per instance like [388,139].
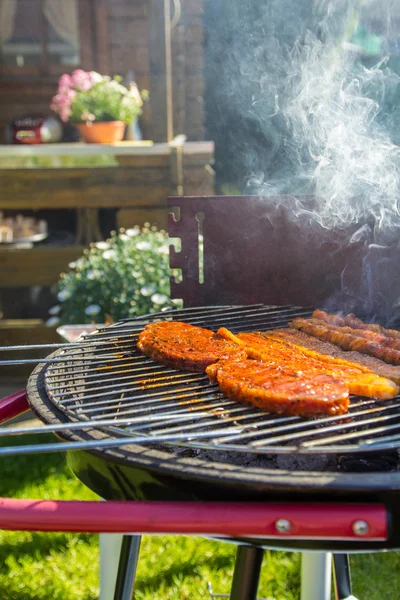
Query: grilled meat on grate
[277,354]
[366,334]
[371,343]
[329,352]
[264,371]
[280,390]
[187,347]
[351,320]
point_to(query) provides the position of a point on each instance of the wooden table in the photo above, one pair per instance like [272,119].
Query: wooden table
[136,180]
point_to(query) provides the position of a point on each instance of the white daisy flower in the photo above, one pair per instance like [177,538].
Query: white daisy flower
[92,310]
[147,290]
[143,246]
[63,295]
[133,232]
[52,322]
[55,310]
[159,298]
[109,254]
[102,245]
[72,265]
[96,77]
[164,249]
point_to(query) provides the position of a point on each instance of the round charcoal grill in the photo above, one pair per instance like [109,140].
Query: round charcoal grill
[161,434]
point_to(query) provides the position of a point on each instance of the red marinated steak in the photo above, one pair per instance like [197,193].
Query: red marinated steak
[187,347]
[280,390]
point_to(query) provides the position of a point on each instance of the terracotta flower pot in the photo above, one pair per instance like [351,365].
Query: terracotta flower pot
[102,132]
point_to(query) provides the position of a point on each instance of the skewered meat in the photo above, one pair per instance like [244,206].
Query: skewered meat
[183,346]
[351,320]
[347,341]
[277,354]
[280,390]
[379,337]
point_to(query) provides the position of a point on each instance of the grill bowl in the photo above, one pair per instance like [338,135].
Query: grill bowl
[169,472]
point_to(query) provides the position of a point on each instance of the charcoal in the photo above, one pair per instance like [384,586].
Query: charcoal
[303,462]
[368,462]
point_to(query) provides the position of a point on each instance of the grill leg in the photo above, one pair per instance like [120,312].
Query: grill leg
[110,549]
[128,560]
[316,575]
[341,577]
[247,573]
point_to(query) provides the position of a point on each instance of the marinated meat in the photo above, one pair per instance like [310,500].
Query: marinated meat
[187,347]
[348,341]
[351,320]
[280,390]
[328,352]
[275,353]
[283,371]
[379,337]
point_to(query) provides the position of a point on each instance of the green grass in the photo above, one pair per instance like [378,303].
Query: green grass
[57,566]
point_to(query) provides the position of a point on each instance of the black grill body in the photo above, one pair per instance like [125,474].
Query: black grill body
[166,471]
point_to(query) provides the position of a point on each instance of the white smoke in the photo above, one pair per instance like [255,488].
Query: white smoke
[335,143]
[325,124]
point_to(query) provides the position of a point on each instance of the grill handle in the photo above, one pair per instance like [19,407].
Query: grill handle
[13,405]
[330,521]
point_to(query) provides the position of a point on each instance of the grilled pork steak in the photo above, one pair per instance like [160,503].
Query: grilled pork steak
[275,353]
[187,347]
[279,389]
[326,351]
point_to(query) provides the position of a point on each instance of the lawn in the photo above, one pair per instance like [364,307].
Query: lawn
[35,566]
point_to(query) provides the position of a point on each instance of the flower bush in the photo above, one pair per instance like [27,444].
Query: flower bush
[125,276]
[87,96]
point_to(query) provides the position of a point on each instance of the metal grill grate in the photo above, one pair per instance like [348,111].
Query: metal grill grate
[107,381]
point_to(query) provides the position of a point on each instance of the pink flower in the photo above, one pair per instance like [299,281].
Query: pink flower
[65,113]
[64,83]
[70,95]
[81,80]
[61,103]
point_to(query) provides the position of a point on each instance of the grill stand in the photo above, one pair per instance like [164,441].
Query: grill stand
[342,578]
[128,560]
[248,561]
[246,575]
[110,550]
[316,575]
[316,572]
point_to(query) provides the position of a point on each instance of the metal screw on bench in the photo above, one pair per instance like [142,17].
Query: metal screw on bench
[283,525]
[360,527]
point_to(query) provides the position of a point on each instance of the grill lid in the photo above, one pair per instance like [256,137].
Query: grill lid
[109,383]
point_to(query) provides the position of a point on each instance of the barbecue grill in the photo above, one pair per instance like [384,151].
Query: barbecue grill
[144,432]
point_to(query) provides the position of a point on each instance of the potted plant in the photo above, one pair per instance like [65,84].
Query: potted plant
[99,106]
[124,276]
